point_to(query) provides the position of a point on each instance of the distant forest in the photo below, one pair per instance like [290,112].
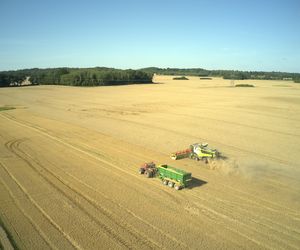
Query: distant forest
[100,76]
[75,76]
[226,74]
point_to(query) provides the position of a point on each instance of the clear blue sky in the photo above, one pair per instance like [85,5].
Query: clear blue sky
[243,35]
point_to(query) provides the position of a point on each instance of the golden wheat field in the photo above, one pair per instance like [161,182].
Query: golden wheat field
[69,159]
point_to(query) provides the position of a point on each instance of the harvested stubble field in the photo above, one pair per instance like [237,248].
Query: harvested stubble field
[69,158]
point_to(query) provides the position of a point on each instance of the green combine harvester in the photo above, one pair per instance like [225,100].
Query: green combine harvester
[197,152]
[173,177]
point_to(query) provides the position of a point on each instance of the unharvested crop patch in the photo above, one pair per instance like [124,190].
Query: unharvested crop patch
[4,108]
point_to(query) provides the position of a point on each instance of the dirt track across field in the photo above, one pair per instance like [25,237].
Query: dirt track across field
[69,160]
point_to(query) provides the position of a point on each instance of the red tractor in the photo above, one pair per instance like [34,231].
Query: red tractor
[149,169]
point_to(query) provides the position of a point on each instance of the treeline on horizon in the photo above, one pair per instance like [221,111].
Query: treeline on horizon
[99,76]
[226,74]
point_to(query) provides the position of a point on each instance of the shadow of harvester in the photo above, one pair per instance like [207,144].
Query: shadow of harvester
[195,182]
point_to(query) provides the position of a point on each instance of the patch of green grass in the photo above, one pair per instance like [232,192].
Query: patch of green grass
[244,85]
[9,236]
[281,85]
[3,108]
[297,80]
[180,78]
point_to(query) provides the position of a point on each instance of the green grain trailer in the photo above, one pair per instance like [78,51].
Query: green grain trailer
[173,177]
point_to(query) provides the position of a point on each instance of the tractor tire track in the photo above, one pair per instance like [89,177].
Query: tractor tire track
[263,220]
[225,221]
[109,231]
[53,223]
[251,226]
[219,218]
[22,211]
[122,224]
[18,241]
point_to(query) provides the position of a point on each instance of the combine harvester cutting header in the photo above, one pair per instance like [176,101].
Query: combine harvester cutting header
[173,177]
[197,152]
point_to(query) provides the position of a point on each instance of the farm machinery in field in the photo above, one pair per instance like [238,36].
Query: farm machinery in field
[197,152]
[173,177]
